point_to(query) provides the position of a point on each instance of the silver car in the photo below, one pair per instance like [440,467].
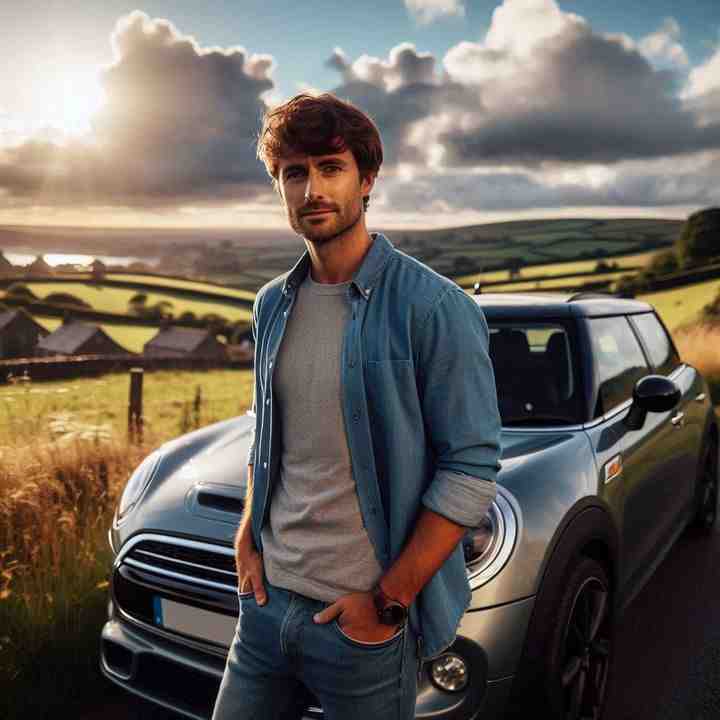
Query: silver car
[610,451]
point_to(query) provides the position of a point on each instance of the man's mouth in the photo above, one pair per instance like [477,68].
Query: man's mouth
[317,212]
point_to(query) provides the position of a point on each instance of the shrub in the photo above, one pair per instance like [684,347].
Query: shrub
[61,298]
[18,289]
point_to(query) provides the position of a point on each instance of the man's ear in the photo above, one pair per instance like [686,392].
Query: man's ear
[367,183]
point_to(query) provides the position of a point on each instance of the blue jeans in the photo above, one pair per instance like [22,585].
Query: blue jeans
[278,647]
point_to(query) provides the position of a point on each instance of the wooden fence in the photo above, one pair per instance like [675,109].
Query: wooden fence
[61,367]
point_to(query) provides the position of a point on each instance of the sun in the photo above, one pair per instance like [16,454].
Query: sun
[68,99]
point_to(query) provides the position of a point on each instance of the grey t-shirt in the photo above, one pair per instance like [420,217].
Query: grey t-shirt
[315,542]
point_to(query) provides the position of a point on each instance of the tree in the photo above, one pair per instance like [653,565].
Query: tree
[61,298]
[514,264]
[699,241]
[663,263]
[136,304]
[18,289]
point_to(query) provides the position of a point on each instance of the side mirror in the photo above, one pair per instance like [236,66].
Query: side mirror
[653,393]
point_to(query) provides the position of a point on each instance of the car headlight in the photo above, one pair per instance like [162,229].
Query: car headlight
[137,483]
[488,546]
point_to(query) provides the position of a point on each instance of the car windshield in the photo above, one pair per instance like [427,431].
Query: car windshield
[534,374]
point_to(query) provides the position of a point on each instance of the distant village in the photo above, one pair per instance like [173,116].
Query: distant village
[21,336]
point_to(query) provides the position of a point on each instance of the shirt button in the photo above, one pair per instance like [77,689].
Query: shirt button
[356,415]
[264,464]
[271,363]
[373,510]
[267,402]
[285,313]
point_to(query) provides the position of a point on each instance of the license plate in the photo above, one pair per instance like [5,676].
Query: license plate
[196,622]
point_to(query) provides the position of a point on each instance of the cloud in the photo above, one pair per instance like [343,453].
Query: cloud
[179,124]
[702,91]
[396,93]
[663,45]
[694,182]
[428,11]
[541,87]
[559,92]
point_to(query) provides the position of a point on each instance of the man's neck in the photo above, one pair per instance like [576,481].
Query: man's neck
[338,260]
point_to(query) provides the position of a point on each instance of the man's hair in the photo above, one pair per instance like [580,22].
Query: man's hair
[319,125]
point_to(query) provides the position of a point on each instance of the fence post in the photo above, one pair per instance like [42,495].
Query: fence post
[135,414]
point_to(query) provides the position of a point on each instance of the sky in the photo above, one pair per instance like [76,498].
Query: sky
[126,115]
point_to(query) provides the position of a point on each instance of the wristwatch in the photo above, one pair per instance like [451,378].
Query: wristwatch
[390,612]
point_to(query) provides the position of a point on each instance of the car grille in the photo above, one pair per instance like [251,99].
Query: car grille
[196,562]
[189,571]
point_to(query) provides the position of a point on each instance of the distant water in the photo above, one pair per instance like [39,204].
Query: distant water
[21,258]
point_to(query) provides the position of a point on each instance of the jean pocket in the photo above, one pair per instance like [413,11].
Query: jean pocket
[364,644]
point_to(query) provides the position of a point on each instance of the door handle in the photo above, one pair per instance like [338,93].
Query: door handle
[678,420]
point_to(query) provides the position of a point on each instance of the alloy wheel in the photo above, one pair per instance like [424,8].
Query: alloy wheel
[586,652]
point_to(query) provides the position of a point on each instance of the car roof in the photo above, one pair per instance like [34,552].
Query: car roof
[526,305]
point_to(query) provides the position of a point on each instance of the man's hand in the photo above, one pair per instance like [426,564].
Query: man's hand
[357,615]
[249,564]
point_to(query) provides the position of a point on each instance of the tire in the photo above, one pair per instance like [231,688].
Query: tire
[565,674]
[703,522]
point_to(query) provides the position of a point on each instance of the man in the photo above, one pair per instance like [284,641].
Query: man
[376,445]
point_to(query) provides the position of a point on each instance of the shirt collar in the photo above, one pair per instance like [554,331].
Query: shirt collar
[372,265]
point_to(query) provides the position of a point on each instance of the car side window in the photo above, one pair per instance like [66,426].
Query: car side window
[619,361]
[663,356]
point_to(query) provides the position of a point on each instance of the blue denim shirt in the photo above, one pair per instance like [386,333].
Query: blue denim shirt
[419,408]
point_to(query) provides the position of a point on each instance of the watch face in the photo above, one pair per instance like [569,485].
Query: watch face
[393,615]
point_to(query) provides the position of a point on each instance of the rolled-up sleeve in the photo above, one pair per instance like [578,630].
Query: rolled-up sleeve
[253,409]
[460,410]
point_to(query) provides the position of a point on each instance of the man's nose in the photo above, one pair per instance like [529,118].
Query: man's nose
[313,187]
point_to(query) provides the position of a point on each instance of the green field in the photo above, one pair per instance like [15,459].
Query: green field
[96,402]
[536,242]
[557,268]
[170,282]
[115,300]
[681,306]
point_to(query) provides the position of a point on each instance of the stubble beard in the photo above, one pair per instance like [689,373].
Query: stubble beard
[320,236]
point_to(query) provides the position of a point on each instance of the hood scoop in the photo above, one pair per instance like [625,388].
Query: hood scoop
[216,501]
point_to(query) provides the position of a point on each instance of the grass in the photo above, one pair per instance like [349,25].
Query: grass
[113,299]
[64,460]
[681,306]
[699,345]
[171,282]
[558,268]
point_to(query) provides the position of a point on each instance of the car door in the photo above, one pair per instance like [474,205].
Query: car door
[636,465]
[687,419]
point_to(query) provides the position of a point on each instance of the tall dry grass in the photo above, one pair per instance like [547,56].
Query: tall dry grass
[699,345]
[59,484]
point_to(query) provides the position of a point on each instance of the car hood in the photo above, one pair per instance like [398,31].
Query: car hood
[203,476]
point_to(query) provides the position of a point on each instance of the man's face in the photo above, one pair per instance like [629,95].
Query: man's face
[322,194]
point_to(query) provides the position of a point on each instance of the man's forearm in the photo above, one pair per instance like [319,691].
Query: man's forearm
[244,531]
[432,540]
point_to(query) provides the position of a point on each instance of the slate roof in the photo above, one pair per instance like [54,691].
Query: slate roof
[178,338]
[70,336]
[9,315]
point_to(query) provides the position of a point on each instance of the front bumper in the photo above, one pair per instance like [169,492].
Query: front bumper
[184,676]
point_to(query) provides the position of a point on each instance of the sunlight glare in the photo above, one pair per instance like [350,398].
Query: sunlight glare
[70,98]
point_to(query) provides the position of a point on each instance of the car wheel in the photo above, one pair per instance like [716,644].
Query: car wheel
[704,518]
[570,677]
